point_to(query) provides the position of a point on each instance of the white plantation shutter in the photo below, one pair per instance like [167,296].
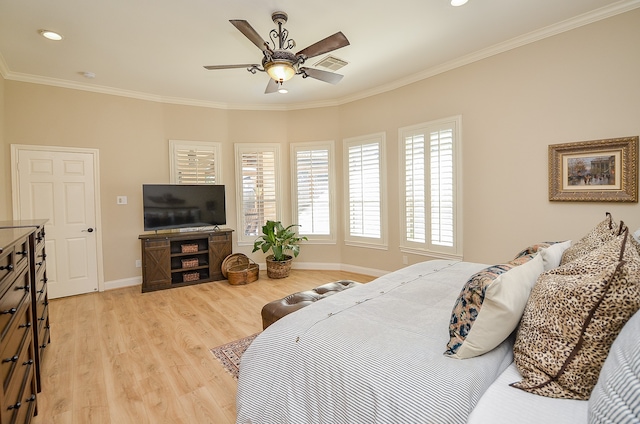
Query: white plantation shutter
[195,162]
[442,187]
[312,207]
[431,206]
[416,222]
[258,171]
[366,208]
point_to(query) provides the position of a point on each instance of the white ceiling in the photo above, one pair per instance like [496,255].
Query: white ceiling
[156,49]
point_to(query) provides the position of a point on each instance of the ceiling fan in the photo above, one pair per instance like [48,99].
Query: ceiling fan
[278,61]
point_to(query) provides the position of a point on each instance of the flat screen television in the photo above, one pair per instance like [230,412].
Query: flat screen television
[171,206]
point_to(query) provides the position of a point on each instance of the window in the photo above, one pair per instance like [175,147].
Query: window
[312,173]
[365,198]
[431,206]
[257,168]
[195,162]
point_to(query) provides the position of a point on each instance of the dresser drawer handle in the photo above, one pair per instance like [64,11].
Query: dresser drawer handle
[39,263]
[12,359]
[25,325]
[24,252]
[7,267]
[25,288]
[31,398]
[29,362]
[16,406]
[9,311]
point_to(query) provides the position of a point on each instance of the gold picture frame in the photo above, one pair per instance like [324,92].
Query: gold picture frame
[594,171]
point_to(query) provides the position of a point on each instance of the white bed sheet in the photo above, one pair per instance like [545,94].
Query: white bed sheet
[503,404]
[370,354]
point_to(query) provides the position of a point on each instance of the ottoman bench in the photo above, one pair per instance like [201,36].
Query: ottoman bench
[273,311]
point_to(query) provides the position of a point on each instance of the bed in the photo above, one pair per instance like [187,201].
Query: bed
[377,367]
[549,336]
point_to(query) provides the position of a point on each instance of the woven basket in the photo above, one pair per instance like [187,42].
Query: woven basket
[233,259]
[243,274]
[190,263]
[189,248]
[190,276]
[278,269]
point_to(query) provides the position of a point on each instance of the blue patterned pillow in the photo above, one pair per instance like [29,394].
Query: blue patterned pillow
[490,305]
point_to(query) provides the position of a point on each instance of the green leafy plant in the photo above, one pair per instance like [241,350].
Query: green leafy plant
[279,240]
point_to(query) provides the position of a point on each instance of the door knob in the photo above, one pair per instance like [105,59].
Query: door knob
[89,230]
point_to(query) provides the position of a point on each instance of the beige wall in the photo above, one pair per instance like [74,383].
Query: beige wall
[5,184]
[576,86]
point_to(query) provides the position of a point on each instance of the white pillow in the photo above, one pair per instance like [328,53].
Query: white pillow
[552,255]
[502,308]
[636,235]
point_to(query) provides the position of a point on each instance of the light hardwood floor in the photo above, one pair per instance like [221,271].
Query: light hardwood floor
[123,356]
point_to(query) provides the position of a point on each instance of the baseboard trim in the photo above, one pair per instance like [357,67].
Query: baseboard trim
[125,282]
[328,266]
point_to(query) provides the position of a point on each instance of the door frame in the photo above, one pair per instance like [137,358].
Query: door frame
[15,194]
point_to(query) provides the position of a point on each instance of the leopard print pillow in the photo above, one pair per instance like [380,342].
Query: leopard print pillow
[573,316]
[603,232]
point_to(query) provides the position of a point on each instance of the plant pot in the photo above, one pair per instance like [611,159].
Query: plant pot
[278,269]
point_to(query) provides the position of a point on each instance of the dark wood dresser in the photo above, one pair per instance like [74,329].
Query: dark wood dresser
[24,314]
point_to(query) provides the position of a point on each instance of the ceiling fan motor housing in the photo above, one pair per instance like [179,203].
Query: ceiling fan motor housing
[279,18]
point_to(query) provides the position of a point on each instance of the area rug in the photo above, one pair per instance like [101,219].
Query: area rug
[229,354]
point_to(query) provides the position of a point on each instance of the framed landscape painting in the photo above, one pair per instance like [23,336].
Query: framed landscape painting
[594,171]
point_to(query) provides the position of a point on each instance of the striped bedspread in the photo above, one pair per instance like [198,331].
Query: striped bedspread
[371,354]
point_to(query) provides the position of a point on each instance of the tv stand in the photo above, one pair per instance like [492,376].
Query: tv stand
[174,259]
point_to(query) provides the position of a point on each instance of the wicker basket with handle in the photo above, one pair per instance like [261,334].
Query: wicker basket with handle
[243,273]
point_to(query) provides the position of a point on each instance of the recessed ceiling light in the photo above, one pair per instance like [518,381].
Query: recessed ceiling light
[458,2]
[51,35]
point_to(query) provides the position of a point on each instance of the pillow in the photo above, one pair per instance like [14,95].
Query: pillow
[616,397]
[534,248]
[573,315]
[552,255]
[490,307]
[603,232]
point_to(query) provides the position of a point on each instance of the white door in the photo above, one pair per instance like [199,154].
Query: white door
[59,185]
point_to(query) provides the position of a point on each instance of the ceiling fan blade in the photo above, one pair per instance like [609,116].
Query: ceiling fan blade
[213,67]
[248,31]
[272,86]
[330,77]
[333,42]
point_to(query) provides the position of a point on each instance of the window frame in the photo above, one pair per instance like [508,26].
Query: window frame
[428,248]
[329,146]
[239,150]
[363,241]
[214,147]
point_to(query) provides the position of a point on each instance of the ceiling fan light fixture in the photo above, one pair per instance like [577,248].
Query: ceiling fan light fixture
[280,70]
[50,35]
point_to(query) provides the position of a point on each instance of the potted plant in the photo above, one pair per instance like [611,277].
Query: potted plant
[279,240]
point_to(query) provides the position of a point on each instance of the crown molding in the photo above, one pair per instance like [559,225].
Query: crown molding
[549,31]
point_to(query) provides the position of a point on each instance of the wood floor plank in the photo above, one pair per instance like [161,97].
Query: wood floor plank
[123,356]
